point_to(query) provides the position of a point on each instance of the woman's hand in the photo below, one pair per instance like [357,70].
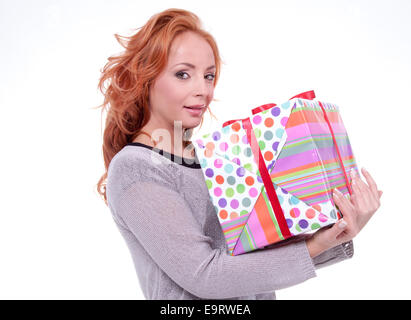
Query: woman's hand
[364,202]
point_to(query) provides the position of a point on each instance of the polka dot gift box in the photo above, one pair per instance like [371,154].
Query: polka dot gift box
[270,176]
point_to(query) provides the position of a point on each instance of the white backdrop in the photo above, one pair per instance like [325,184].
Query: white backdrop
[57,238]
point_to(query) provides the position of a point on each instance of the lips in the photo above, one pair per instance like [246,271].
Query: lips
[195,107]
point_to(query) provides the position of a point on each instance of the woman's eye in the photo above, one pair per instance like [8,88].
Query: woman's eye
[212,75]
[180,75]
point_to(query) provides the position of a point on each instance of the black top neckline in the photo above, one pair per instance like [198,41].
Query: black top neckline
[186,162]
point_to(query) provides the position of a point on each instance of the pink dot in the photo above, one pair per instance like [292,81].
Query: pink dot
[322,217]
[217,192]
[257,119]
[218,163]
[284,121]
[253,192]
[224,146]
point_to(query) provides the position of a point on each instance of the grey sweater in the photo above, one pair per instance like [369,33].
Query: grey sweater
[161,205]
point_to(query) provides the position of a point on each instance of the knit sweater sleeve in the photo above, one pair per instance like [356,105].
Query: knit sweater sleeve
[161,220]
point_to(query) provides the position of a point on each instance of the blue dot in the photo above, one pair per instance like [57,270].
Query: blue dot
[228,168]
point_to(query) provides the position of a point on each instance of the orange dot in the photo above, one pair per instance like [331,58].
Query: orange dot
[236,126]
[223,214]
[269,122]
[310,213]
[233,215]
[219,179]
[210,146]
[249,181]
[268,156]
[208,153]
[234,138]
[317,207]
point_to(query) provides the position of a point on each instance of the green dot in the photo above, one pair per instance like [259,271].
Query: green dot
[229,192]
[262,145]
[297,227]
[264,112]
[236,150]
[209,184]
[248,152]
[315,226]
[243,212]
[246,202]
[248,166]
[230,180]
[240,188]
[257,132]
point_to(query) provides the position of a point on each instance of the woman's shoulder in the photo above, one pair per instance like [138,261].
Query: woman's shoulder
[132,164]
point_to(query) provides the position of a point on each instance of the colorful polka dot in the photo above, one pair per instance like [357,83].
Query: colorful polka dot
[240,188]
[234,138]
[246,202]
[275,111]
[315,226]
[223,214]
[240,172]
[279,132]
[261,144]
[257,132]
[222,203]
[233,215]
[310,213]
[218,192]
[224,146]
[289,223]
[244,139]
[275,145]
[249,181]
[257,119]
[228,168]
[209,172]
[237,161]
[248,152]
[236,126]
[229,192]
[284,121]
[218,163]
[216,136]
[322,217]
[268,155]
[295,212]
[234,203]
[209,184]
[268,135]
[236,150]
[230,180]
[269,122]
[253,192]
[303,223]
[219,179]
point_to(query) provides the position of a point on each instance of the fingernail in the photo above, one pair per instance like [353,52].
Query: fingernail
[335,193]
[352,173]
[365,170]
[342,224]
[338,192]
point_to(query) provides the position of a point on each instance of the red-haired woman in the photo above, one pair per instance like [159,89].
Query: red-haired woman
[158,91]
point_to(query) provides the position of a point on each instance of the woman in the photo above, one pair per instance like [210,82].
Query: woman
[159,89]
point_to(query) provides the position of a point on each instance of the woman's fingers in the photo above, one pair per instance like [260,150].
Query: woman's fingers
[345,206]
[360,189]
[371,183]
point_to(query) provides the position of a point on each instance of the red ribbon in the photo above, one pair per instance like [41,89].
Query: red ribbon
[268,184]
[309,95]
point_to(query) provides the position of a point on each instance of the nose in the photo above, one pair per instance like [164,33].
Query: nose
[203,87]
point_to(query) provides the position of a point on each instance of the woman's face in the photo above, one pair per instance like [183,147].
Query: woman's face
[187,80]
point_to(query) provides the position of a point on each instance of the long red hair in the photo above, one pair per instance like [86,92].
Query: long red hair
[130,75]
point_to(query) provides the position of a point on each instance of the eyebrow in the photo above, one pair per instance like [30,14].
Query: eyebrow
[193,67]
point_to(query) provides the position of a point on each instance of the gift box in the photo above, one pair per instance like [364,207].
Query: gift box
[270,176]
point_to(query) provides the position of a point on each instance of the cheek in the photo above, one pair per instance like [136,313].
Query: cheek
[170,93]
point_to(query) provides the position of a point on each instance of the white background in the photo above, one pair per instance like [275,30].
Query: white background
[57,238]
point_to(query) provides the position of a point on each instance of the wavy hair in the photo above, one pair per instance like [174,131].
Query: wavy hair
[130,75]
